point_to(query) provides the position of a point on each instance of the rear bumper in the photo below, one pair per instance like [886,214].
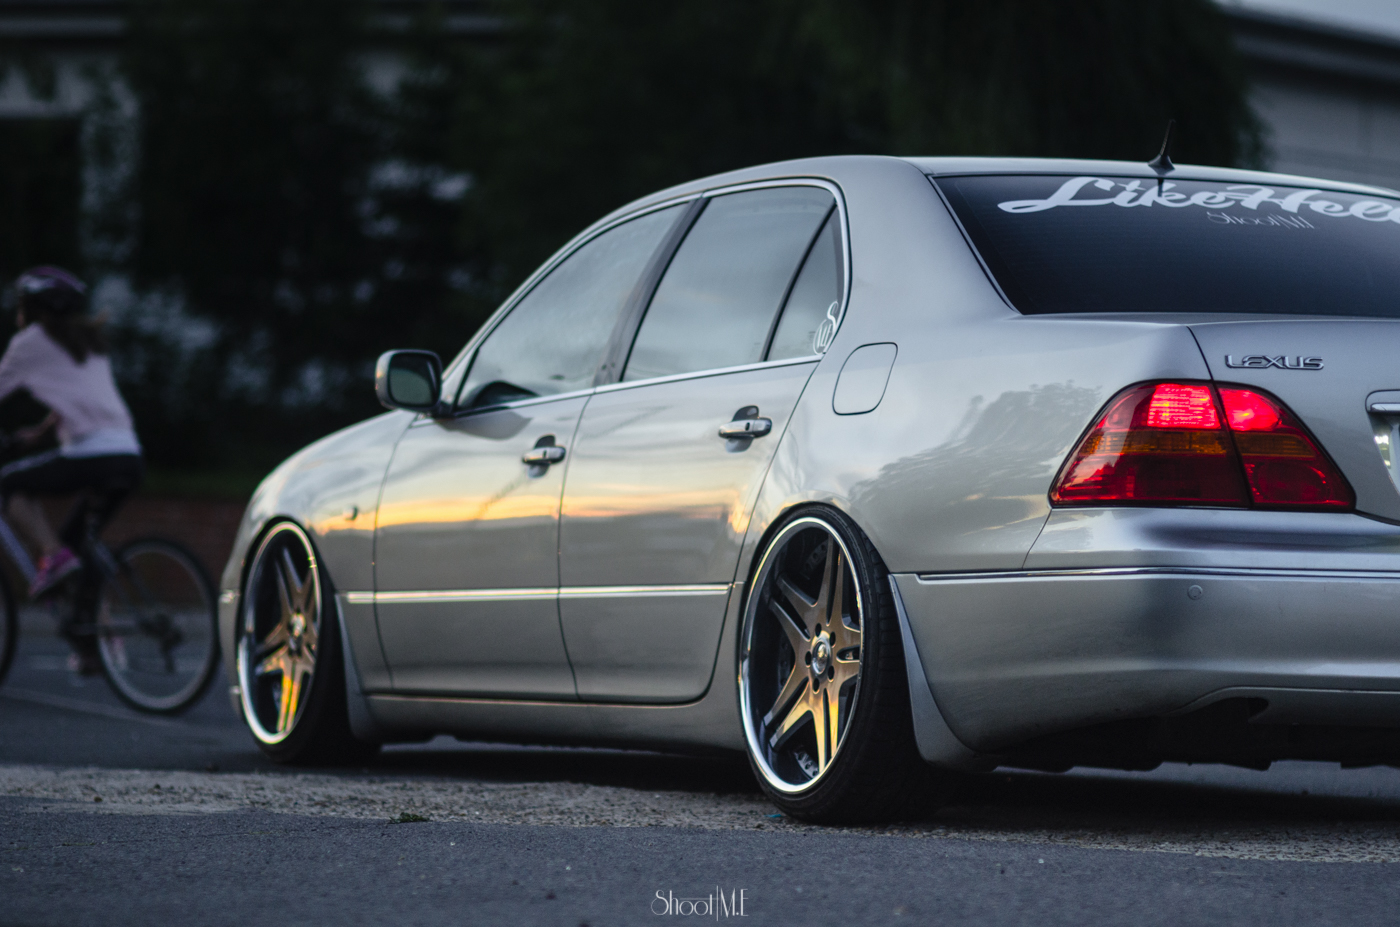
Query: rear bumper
[1014,657]
[1010,657]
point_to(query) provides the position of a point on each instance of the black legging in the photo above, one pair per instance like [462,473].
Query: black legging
[108,481]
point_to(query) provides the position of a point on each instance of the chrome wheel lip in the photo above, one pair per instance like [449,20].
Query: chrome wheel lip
[246,679]
[753,737]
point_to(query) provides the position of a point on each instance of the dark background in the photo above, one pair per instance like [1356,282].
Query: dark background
[291,205]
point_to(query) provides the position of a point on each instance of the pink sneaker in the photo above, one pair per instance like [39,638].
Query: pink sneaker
[53,568]
[84,664]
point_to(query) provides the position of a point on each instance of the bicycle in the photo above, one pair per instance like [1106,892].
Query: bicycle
[149,606]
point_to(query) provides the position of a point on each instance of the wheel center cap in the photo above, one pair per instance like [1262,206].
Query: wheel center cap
[821,655]
[298,624]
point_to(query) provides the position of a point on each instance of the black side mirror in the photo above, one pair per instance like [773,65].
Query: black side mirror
[409,380]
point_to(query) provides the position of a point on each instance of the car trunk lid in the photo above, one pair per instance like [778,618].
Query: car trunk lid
[1341,377]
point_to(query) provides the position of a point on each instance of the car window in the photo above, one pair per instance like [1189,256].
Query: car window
[809,319]
[555,338]
[1122,244]
[716,302]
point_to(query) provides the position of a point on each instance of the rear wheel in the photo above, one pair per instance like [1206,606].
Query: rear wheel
[822,683]
[290,668]
[157,627]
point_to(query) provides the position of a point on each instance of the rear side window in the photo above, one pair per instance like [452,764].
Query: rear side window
[716,303]
[1114,244]
[554,339]
[813,308]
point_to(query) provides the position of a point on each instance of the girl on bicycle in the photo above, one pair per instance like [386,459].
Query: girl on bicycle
[60,356]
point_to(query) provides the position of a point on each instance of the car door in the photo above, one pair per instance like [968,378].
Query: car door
[466,544]
[656,501]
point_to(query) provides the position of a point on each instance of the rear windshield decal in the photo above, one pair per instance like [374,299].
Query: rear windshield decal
[1133,193]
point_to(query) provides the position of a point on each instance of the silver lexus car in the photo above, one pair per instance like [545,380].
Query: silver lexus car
[879,470]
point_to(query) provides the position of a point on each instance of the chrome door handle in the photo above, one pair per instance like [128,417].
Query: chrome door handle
[543,456]
[746,428]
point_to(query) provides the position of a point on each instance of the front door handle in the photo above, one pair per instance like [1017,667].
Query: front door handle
[543,456]
[746,428]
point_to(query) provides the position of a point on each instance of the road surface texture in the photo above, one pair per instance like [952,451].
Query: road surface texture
[112,818]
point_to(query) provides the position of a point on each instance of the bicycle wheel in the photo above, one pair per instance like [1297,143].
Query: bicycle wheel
[157,627]
[9,628]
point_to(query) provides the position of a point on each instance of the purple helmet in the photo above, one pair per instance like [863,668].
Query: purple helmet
[45,279]
[49,292]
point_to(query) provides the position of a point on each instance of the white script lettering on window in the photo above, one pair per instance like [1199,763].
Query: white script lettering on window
[1133,193]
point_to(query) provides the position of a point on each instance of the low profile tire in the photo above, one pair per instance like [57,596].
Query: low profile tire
[822,683]
[290,668]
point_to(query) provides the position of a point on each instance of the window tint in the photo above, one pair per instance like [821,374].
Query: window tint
[809,318]
[554,340]
[716,303]
[1116,244]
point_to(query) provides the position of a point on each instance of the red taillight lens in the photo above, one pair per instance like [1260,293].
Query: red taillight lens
[1186,444]
[1154,444]
[1285,467]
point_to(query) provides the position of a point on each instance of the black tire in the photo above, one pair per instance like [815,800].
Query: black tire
[291,672]
[854,672]
[9,628]
[157,627]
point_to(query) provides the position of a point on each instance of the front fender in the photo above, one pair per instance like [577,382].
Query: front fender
[330,488]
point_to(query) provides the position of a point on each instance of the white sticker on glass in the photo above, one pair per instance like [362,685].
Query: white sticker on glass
[1134,193]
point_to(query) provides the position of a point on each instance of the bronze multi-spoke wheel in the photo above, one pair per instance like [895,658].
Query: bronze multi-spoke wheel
[289,662]
[822,685]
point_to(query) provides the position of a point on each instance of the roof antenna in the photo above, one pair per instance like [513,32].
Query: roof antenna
[1162,164]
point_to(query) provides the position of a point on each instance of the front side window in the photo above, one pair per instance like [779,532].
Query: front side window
[716,303]
[555,339]
[1114,244]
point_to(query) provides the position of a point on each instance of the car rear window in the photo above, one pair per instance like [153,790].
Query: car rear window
[1122,244]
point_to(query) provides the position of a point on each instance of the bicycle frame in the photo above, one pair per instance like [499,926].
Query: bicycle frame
[16,552]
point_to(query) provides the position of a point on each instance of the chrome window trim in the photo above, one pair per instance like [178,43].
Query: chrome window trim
[425,418]
[1245,572]
[836,194]
[461,365]
[441,596]
[715,372]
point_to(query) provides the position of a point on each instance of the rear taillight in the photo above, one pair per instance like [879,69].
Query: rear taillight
[1284,465]
[1189,444]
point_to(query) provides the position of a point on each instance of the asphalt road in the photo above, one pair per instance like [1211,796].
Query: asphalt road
[111,818]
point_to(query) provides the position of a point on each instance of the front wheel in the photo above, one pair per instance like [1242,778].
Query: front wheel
[290,668]
[157,627]
[822,683]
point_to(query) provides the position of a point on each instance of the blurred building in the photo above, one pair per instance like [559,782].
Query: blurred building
[1328,95]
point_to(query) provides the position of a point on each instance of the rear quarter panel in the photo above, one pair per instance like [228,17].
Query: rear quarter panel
[952,470]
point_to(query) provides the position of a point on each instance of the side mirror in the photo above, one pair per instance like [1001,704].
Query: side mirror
[409,380]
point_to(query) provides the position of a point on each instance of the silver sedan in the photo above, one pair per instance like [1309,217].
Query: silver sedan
[880,470]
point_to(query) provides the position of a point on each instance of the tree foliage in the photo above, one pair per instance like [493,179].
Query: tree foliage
[311,215]
[583,106]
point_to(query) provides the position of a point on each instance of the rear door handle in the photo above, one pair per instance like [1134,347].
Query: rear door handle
[746,428]
[543,456]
